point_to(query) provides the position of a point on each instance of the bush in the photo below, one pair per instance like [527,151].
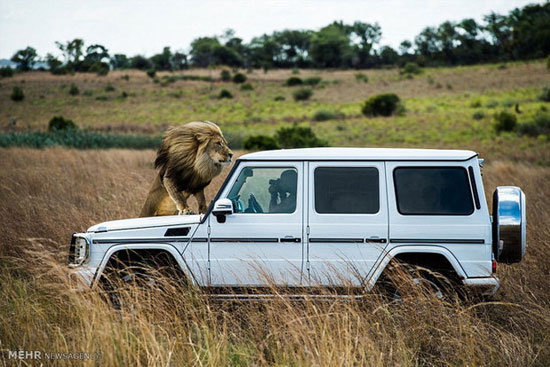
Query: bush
[505,121]
[225,75]
[381,105]
[239,78]
[151,73]
[260,142]
[109,88]
[102,98]
[313,81]
[302,94]
[125,77]
[224,93]
[539,126]
[247,86]
[478,115]
[100,68]
[73,90]
[293,81]
[360,77]
[410,68]
[6,72]
[476,103]
[78,139]
[279,98]
[88,93]
[298,137]
[295,71]
[324,115]
[59,123]
[545,95]
[17,94]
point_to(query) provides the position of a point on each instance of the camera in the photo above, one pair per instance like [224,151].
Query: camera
[274,185]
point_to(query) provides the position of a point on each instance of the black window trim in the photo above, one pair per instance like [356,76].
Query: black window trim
[428,214]
[359,166]
[474,187]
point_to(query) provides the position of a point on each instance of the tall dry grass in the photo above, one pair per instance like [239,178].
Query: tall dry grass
[48,194]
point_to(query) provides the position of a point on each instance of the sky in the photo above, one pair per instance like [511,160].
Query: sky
[145,27]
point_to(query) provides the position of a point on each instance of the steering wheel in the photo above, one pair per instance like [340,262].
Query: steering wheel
[253,205]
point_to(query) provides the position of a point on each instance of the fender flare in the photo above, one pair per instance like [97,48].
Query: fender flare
[380,266]
[149,246]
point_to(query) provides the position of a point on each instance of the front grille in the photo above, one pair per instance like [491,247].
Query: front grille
[72,250]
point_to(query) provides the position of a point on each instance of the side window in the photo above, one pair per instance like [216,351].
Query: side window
[347,190]
[432,191]
[265,190]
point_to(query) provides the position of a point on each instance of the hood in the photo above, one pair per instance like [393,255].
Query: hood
[137,223]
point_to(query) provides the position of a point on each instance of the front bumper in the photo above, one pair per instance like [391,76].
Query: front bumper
[82,275]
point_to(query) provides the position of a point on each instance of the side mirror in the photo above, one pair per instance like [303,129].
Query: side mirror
[222,207]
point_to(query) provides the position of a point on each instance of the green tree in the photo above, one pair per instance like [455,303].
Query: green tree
[202,51]
[330,47]
[368,36]
[25,59]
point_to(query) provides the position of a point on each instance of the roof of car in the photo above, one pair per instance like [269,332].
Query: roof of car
[381,154]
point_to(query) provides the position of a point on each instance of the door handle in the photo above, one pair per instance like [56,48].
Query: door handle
[290,239]
[375,240]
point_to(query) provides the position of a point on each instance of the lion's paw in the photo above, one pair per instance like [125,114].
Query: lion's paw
[186,212]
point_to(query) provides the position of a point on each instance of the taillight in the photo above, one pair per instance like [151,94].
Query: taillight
[494,266]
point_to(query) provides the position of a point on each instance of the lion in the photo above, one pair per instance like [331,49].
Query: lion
[189,157]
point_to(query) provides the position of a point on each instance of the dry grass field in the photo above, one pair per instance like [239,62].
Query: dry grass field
[48,194]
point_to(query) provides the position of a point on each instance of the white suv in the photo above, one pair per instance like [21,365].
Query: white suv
[326,216]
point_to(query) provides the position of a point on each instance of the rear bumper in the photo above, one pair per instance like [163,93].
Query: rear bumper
[482,286]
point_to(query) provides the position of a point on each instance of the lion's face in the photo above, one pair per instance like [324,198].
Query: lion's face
[218,151]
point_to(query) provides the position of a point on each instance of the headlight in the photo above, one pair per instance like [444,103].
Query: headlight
[79,250]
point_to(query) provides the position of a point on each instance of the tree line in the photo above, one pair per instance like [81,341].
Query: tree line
[522,34]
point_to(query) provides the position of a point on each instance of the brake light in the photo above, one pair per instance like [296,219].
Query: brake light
[494,266]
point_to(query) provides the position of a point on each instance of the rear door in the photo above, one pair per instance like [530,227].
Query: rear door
[347,221]
[437,204]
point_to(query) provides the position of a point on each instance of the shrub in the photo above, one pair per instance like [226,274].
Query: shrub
[123,95]
[505,121]
[313,81]
[545,95]
[293,81]
[125,77]
[298,137]
[17,94]
[491,104]
[279,98]
[381,105]
[260,142]
[302,94]
[78,139]
[239,78]
[295,71]
[73,90]
[410,68]
[102,98]
[324,115]
[224,93]
[100,68]
[6,72]
[151,73]
[109,88]
[360,77]
[540,125]
[59,123]
[478,115]
[225,75]
[88,93]
[476,103]
[247,86]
